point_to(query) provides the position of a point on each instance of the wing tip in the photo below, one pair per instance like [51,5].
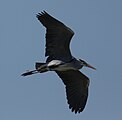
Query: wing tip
[38,15]
[76,110]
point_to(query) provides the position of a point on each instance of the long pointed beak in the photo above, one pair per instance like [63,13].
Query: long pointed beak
[88,65]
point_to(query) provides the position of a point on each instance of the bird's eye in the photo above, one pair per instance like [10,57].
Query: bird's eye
[84,63]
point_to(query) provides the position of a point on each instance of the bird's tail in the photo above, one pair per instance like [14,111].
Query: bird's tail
[40,68]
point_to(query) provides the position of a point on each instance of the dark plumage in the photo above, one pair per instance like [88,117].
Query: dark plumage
[56,35]
[76,89]
[60,60]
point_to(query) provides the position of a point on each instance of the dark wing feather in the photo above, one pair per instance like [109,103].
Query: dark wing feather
[76,88]
[58,38]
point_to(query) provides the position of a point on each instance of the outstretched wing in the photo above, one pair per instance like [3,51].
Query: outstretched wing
[76,88]
[58,38]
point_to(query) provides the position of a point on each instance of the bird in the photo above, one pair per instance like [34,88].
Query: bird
[60,60]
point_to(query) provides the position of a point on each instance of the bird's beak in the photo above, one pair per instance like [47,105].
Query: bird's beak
[88,65]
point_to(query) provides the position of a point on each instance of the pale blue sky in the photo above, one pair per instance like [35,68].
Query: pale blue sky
[98,40]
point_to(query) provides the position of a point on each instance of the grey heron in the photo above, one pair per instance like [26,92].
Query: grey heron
[60,60]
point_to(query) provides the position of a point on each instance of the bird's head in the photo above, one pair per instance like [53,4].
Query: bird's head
[83,63]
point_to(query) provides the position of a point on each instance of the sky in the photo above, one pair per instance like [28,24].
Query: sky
[98,40]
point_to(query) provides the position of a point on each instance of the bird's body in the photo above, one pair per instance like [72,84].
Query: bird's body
[60,60]
[58,65]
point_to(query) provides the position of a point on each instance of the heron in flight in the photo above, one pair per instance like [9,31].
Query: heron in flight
[60,60]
